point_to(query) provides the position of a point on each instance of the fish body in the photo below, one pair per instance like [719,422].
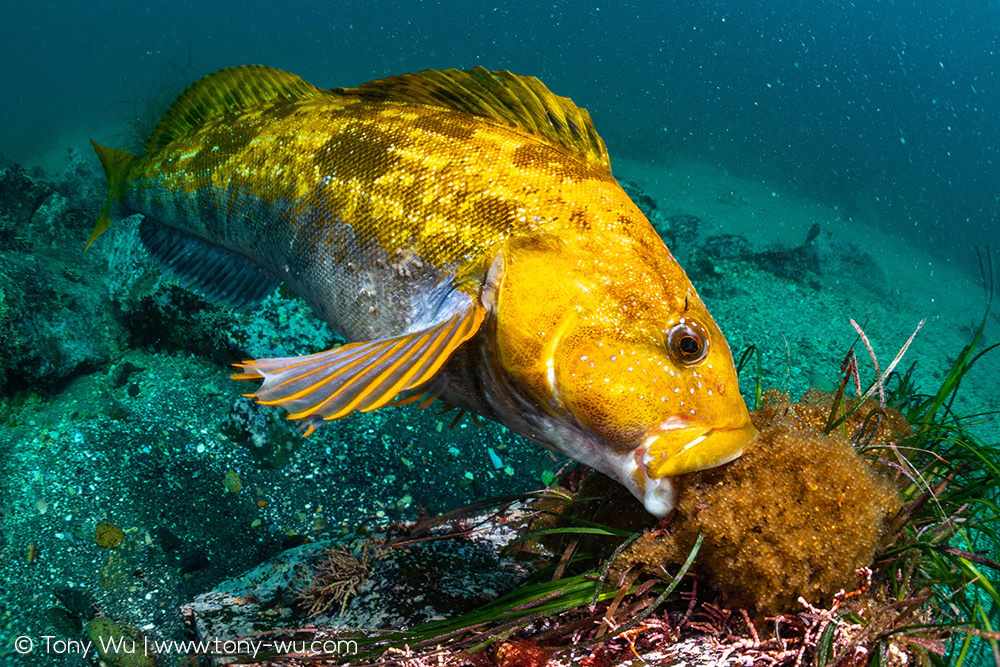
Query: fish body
[464,230]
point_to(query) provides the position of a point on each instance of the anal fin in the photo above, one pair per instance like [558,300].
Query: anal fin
[221,276]
[360,376]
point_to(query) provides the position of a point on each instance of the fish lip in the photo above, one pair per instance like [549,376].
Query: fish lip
[675,450]
[658,495]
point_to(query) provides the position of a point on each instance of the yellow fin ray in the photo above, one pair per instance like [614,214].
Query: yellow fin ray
[361,376]
[513,99]
[231,90]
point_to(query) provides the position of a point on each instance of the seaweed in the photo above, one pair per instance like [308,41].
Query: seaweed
[944,542]
[930,592]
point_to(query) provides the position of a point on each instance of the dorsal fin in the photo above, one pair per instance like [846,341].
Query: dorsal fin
[522,101]
[229,90]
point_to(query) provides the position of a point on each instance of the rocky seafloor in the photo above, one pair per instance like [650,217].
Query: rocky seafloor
[135,479]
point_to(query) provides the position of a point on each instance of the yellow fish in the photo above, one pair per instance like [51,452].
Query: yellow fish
[464,229]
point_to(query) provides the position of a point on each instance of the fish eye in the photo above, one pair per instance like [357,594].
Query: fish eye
[687,343]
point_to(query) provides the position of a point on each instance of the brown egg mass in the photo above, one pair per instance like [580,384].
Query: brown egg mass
[797,515]
[866,423]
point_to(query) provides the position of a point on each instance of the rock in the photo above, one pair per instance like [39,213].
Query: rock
[641,198]
[52,319]
[232,482]
[406,586]
[681,233]
[82,181]
[52,308]
[77,601]
[63,310]
[121,373]
[421,581]
[119,644]
[108,535]
[731,247]
[20,197]
[820,255]
[800,264]
[265,433]
[157,312]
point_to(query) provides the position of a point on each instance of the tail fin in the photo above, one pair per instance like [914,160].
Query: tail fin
[115,164]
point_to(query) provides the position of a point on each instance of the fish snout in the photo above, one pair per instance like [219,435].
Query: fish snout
[680,446]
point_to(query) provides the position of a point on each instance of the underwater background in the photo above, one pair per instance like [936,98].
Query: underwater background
[807,163]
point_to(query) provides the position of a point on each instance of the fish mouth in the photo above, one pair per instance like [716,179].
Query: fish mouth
[678,449]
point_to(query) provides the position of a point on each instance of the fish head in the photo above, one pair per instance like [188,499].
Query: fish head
[633,373]
[663,406]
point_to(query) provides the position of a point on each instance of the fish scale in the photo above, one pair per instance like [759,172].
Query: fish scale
[464,231]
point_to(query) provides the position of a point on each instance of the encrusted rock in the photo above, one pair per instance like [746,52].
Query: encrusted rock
[407,585]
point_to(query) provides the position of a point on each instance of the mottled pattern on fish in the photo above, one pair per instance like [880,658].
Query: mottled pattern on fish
[465,229]
[427,186]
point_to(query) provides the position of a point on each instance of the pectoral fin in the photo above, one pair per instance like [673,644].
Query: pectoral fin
[360,376]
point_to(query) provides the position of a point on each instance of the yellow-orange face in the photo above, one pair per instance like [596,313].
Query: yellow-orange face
[609,339]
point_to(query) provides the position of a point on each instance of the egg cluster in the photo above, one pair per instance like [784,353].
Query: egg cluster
[797,515]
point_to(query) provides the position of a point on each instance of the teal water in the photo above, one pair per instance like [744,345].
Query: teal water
[875,121]
[887,105]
